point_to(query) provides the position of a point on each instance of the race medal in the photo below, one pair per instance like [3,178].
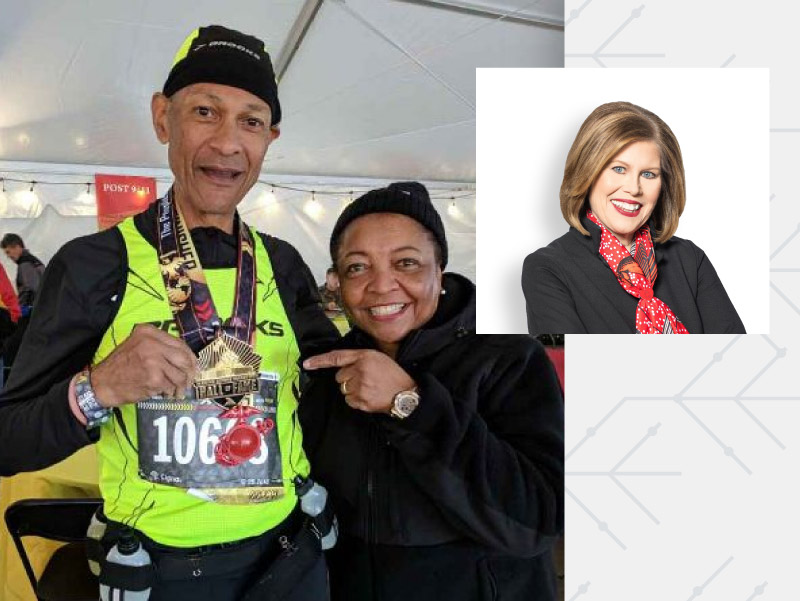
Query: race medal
[228,371]
[231,456]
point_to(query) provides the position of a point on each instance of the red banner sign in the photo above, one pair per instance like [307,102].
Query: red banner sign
[556,355]
[119,196]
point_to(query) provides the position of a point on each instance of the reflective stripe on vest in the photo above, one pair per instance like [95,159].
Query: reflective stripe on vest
[168,514]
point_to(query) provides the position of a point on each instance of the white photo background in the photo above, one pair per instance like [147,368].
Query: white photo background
[527,120]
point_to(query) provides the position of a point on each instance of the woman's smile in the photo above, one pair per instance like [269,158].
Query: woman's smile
[627,208]
[387,312]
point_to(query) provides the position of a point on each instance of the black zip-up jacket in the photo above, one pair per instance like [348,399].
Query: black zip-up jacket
[80,294]
[570,289]
[463,497]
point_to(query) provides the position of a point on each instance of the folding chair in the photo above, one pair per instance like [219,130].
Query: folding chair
[66,577]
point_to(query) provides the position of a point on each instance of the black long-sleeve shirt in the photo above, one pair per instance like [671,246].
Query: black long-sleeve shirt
[81,292]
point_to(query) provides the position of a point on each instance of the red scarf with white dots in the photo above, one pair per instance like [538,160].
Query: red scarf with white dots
[636,272]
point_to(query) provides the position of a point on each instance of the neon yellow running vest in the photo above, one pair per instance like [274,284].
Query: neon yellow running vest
[168,514]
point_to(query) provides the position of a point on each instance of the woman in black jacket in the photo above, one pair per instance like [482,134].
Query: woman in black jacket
[442,449]
[619,269]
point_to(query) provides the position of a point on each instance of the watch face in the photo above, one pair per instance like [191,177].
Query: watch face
[405,403]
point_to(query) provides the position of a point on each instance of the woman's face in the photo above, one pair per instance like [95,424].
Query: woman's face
[389,277]
[625,193]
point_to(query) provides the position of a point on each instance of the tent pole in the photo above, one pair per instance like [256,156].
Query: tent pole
[493,12]
[295,37]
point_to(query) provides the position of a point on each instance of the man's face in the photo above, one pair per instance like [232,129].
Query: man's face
[13,252]
[218,136]
[331,281]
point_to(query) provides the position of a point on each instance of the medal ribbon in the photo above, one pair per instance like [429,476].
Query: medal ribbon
[187,289]
[637,272]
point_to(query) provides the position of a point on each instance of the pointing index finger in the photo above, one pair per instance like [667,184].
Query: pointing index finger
[332,359]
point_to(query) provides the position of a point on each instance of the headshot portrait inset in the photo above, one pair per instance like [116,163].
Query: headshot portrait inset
[621,267]
[623,193]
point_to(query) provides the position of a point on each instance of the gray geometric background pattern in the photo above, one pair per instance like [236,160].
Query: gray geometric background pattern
[683,454]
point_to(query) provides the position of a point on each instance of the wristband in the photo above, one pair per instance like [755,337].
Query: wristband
[93,411]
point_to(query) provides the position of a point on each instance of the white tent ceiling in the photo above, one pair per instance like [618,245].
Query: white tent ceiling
[379,89]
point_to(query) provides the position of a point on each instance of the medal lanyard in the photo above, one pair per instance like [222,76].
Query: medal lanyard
[187,289]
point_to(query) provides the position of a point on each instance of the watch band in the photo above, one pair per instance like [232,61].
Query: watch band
[93,411]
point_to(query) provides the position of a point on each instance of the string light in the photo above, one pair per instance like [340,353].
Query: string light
[268,200]
[313,208]
[86,202]
[453,209]
[28,200]
[466,193]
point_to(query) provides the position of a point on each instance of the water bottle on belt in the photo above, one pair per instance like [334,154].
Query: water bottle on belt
[94,550]
[314,503]
[127,572]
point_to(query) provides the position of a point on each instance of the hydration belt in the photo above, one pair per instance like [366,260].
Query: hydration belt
[175,563]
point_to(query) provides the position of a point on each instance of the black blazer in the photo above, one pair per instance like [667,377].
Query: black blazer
[569,289]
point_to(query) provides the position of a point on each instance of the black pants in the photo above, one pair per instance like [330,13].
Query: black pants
[313,587]
[231,587]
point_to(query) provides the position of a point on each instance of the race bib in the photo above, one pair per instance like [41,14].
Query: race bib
[224,455]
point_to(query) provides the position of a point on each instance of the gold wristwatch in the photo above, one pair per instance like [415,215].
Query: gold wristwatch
[404,403]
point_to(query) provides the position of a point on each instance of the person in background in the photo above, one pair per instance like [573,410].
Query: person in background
[29,270]
[29,277]
[9,316]
[9,305]
[199,458]
[442,449]
[329,294]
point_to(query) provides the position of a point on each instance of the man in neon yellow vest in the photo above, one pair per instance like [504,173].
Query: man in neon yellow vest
[191,325]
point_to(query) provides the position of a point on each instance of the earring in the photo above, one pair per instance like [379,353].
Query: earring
[442,292]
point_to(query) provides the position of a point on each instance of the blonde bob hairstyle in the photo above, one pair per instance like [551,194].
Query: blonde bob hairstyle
[609,129]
